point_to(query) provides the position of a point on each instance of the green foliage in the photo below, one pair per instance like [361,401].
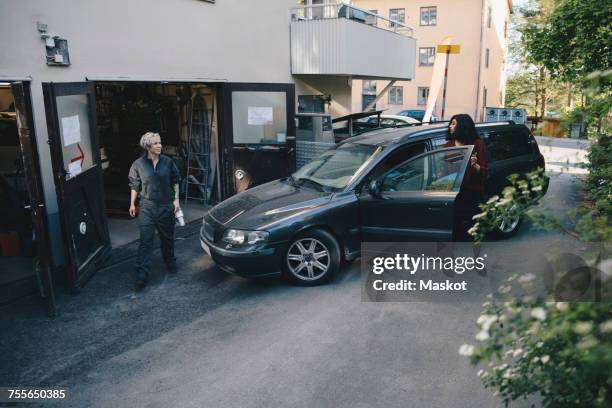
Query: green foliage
[572,41]
[561,351]
[516,200]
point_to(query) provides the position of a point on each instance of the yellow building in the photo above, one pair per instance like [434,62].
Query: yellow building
[476,77]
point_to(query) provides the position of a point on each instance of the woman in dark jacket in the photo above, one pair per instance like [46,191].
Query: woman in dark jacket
[461,132]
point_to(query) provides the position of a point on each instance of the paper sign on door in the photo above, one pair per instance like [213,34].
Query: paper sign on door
[259,115]
[71,130]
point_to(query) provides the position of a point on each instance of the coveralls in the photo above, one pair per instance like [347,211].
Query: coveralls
[155,186]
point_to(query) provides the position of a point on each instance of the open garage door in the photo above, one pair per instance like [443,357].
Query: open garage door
[75,154]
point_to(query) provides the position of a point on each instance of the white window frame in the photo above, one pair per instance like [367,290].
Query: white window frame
[431,56]
[396,95]
[426,12]
[422,102]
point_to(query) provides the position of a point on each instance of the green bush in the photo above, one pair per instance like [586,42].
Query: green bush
[558,351]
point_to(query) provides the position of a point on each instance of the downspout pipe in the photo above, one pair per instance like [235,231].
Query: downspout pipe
[482,23]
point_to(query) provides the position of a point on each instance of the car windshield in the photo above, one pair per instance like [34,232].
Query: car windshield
[335,168]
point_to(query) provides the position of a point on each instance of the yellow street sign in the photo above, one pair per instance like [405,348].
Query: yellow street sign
[451,49]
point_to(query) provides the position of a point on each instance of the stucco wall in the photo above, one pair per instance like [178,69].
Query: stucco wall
[232,40]
[461,19]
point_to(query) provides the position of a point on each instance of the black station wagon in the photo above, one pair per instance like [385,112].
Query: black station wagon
[388,185]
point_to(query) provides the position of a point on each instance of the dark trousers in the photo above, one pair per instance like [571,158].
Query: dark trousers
[466,206]
[155,217]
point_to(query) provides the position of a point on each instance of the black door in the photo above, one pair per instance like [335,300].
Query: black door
[257,134]
[31,169]
[70,110]
[416,199]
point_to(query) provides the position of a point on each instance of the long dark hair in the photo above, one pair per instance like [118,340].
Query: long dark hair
[465,131]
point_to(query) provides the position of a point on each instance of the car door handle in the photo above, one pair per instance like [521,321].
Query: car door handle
[436,206]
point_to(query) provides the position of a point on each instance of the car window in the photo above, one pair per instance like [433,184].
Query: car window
[396,157]
[336,167]
[436,171]
[506,143]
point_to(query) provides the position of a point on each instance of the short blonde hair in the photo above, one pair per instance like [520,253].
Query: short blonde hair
[148,139]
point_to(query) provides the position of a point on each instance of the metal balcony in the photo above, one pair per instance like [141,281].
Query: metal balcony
[339,39]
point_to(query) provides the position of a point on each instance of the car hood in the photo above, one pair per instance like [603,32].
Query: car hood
[268,203]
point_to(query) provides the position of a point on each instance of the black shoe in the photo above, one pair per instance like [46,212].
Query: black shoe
[140,283]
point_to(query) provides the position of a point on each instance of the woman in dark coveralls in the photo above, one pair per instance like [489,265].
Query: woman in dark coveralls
[461,132]
[155,177]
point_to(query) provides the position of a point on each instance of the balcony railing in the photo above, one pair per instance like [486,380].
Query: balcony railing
[341,10]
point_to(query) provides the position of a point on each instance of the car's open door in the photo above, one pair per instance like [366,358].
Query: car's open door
[415,200]
[71,120]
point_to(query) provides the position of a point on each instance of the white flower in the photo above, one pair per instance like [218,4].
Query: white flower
[493,199]
[483,335]
[561,306]
[540,344]
[502,202]
[588,342]
[545,359]
[479,216]
[466,350]
[480,372]
[504,289]
[538,313]
[583,327]
[517,353]
[536,188]
[526,278]
[485,321]
[535,360]
[606,327]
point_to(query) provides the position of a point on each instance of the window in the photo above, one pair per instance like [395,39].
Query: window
[436,171]
[422,95]
[369,88]
[396,95]
[487,52]
[427,55]
[336,167]
[371,19]
[429,16]
[489,12]
[398,156]
[398,15]
[507,143]
[259,117]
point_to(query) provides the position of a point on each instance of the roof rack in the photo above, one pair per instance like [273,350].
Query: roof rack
[497,122]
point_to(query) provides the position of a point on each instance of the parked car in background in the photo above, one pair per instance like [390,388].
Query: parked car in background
[396,184]
[417,114]
[393,120]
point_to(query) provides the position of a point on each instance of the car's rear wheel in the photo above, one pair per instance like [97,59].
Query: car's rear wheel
[312,258]
[509,223]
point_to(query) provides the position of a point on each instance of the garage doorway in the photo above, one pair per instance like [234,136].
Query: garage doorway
[184,114]
[24,251]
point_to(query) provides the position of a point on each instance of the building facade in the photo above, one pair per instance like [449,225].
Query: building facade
[221,81]
[476,76]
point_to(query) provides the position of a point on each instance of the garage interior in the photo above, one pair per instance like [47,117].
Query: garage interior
[184,114]
[17,238]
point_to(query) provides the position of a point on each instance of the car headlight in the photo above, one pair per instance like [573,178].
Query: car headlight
[240,237]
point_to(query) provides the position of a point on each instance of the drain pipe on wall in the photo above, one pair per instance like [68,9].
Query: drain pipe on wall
[482,22]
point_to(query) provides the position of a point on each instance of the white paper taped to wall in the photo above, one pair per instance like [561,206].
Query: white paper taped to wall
[71,130]
[260,115]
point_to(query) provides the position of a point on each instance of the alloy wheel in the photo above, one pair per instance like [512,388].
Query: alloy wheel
[308,259]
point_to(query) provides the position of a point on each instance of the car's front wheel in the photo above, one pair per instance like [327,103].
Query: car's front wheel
[312,258]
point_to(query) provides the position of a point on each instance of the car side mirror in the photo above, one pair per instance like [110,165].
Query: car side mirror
[375,189]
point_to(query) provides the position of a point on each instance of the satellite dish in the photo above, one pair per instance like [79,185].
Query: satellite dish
[504,113]
[518,114]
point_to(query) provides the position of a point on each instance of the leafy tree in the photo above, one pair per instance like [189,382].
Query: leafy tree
[571,40]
